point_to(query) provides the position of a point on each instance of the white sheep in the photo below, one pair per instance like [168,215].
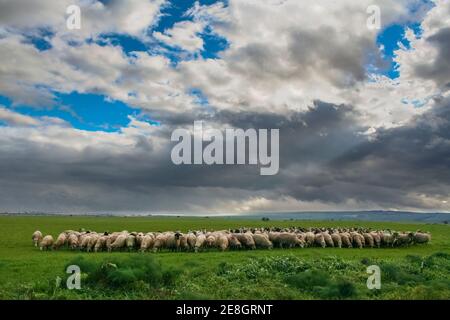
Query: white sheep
[46,243]
[36,237]
[120,242]
[147,242]
[72,241]
[262,241]
[200,242]
[60,241]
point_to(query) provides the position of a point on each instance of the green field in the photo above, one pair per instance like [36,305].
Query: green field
[416,272]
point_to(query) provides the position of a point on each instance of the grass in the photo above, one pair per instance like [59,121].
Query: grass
[416,272]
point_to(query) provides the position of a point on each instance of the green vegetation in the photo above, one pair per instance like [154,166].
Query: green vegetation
[416,272]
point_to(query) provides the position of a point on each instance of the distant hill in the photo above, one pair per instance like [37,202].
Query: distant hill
[351,215]
[376,215]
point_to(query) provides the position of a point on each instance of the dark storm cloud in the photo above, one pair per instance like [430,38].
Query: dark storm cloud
[400,162]
[439,69]
[143,173]
[323,157]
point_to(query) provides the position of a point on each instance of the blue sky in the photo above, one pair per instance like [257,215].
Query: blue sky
[95,112]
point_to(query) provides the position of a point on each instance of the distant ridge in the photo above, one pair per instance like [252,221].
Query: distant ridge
[372,215]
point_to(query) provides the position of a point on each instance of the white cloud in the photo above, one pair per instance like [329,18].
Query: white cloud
[183,35]
[131,17]
[17,119]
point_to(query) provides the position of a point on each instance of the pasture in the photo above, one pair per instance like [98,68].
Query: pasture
[416,272]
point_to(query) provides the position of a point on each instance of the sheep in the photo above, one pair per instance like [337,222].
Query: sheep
[376,238]
[249,238]
[420,237]
[60,241]
[173,240]
[246,239]
[336,240]
[328,240]
[183,245]
[92,242]
[200,242]
[168,240]
[301,238]
[36,237]
[160,242]
[191,239]
[130,242]
[222,242]
[210,241]
[84,242]
[288,240]
[139,238]
[234,243]
[387,239]
[100,244]
[119,243]
[319,240]
[147,242]
[310,238]
[403,239]
[72,241]
[345,238]
[357,240]
[369,240]
[262,241]
[46,243]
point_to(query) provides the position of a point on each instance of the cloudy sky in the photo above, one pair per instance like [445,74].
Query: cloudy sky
[86,115]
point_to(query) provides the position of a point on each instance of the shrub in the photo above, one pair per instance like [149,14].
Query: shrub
[341,289]
[127,272]
[308,280]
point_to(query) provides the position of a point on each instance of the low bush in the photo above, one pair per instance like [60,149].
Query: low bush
[125,273]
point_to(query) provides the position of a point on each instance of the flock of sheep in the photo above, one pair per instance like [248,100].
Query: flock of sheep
[243,238]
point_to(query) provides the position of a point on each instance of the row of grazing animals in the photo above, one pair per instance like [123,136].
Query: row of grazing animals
[243,238]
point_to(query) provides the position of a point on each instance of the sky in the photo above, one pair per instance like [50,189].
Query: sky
[86,115]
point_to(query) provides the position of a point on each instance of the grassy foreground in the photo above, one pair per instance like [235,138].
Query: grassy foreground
[417,272]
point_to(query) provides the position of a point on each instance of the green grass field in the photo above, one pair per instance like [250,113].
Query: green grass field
[416,272]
